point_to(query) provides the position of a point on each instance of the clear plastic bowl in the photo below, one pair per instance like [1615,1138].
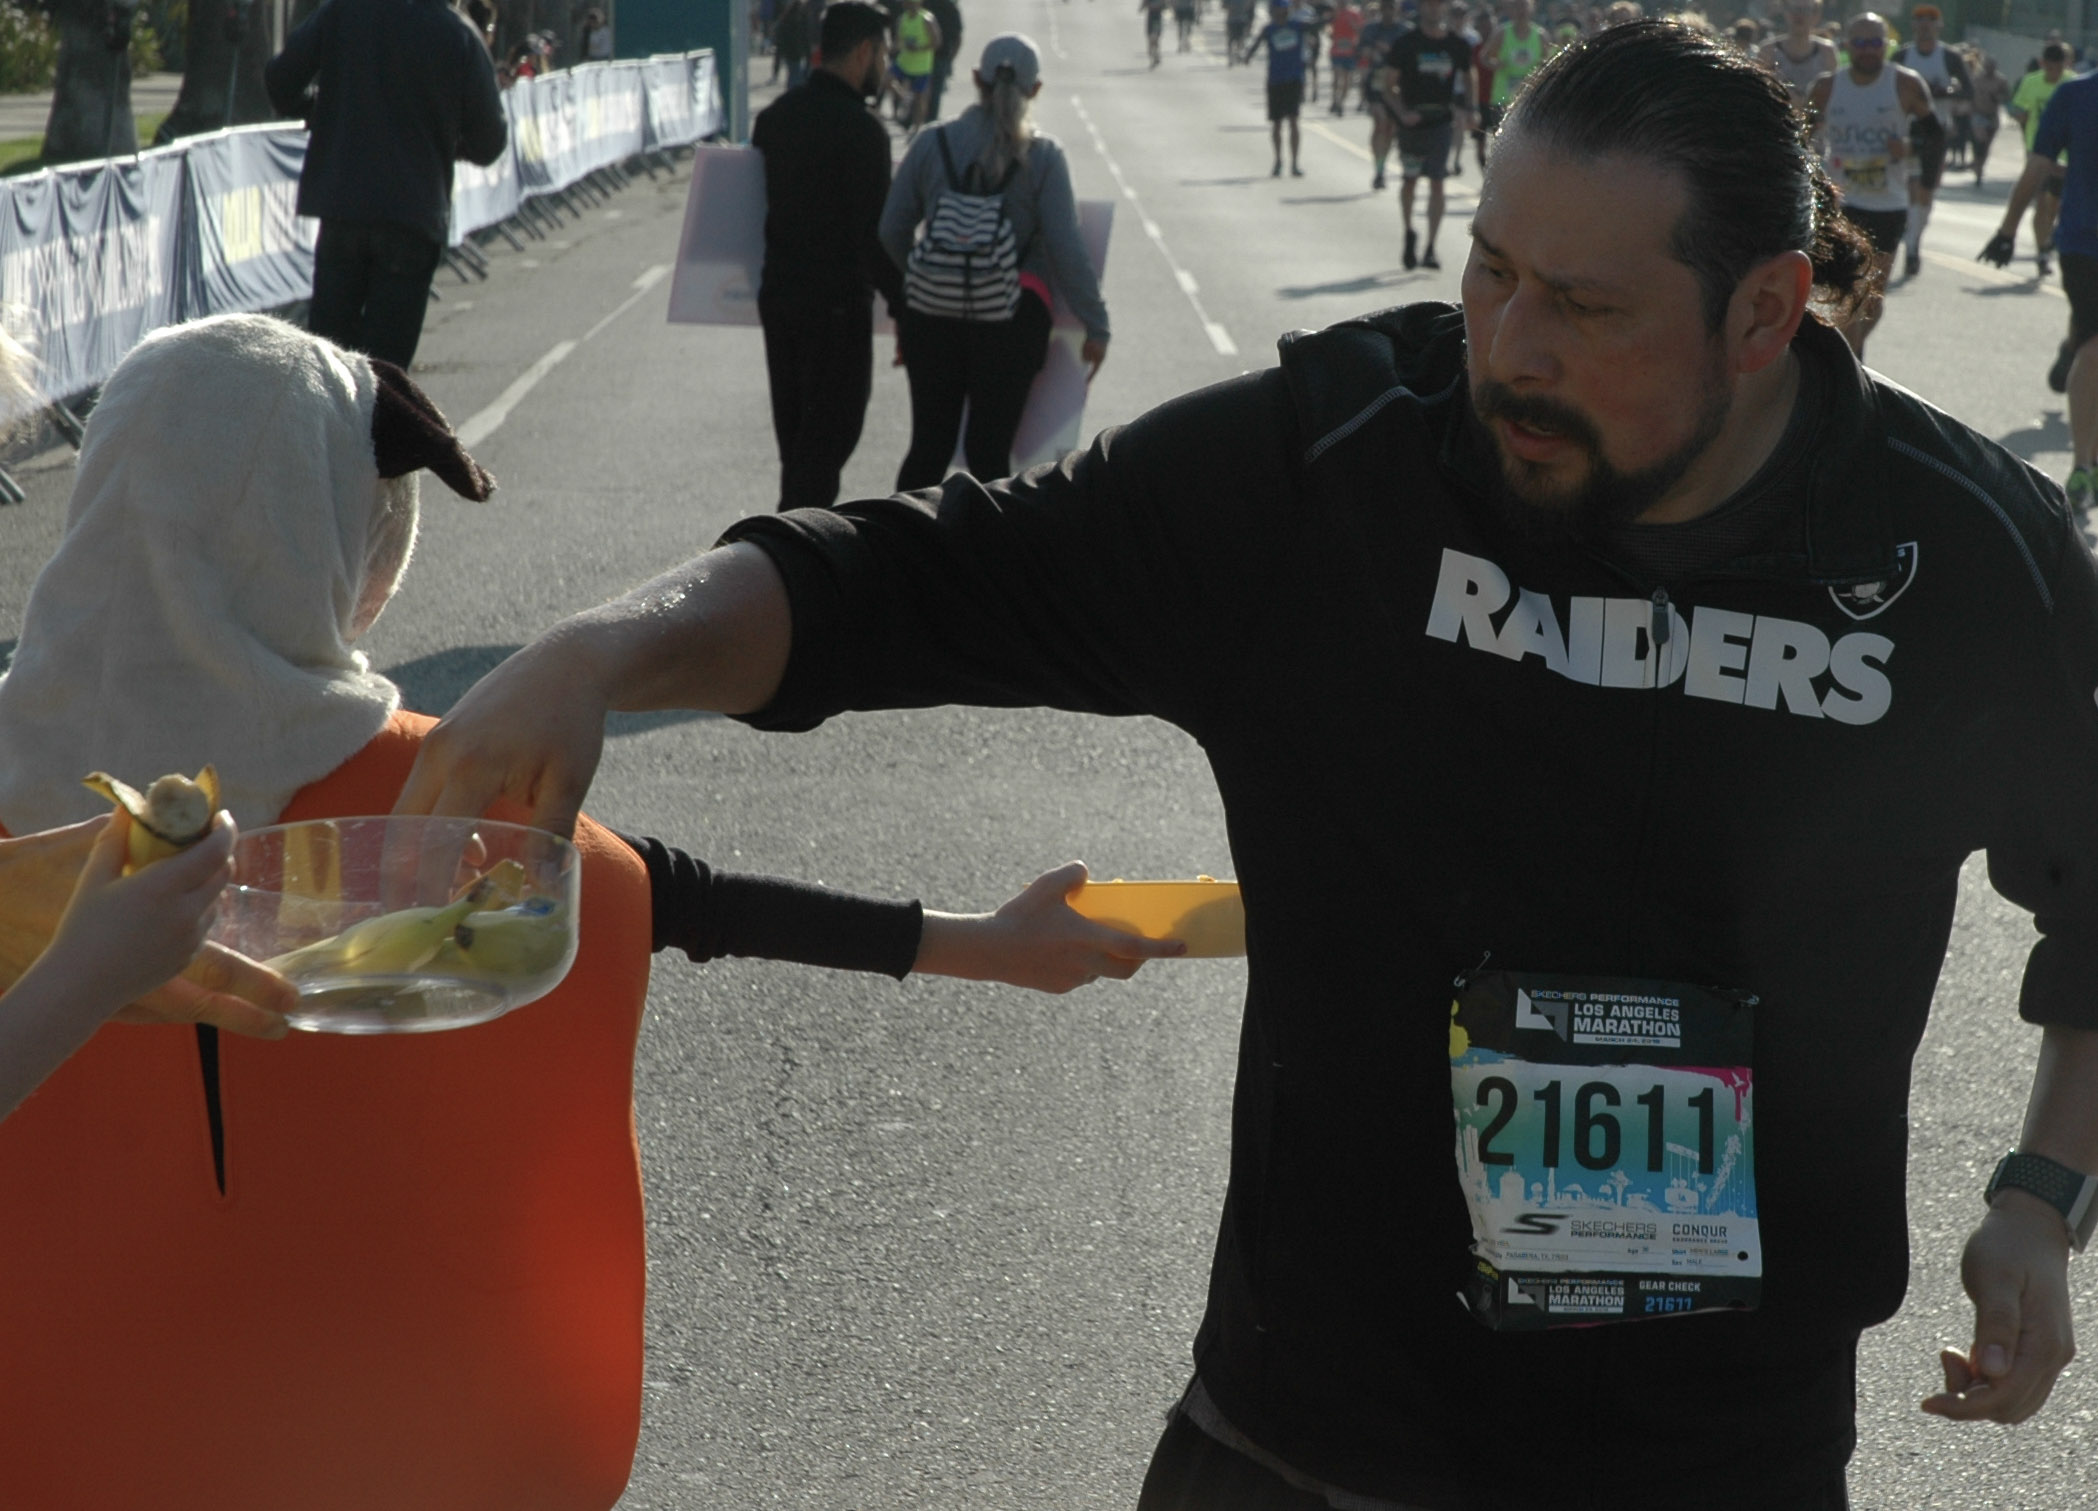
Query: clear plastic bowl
[306,899]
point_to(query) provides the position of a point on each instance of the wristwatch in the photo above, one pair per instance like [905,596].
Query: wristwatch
[2069,1192]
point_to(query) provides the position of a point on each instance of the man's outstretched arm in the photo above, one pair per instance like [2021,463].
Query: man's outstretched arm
[2016,1266]
[712,634]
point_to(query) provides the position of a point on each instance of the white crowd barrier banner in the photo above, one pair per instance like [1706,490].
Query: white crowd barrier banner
[245,246]
[90,262]
[95,256]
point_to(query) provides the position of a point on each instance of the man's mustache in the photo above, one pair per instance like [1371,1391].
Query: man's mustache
[1497,401]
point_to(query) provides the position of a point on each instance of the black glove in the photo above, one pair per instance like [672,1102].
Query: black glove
[2001,248]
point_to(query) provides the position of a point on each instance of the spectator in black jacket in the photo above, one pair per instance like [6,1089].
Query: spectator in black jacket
[404,89]
[826,178]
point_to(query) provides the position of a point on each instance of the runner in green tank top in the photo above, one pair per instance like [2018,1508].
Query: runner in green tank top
[917,48]
[1510,56]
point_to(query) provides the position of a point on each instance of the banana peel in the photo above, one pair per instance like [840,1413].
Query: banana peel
[168,817]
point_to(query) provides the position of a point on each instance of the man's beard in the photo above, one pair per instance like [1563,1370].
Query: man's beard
[1603,499]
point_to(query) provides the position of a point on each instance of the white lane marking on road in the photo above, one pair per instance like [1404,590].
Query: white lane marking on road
[1056,36]
[1218,336]
[485,424]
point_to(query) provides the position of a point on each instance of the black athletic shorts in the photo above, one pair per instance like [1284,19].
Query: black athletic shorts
[1424,151]
[1284,100]
[2080,283]
[1883,228]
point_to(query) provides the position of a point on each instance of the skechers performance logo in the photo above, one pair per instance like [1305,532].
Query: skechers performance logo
[1755,660]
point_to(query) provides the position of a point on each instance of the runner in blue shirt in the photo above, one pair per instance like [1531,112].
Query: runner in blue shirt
[1288,42]
[2068,124]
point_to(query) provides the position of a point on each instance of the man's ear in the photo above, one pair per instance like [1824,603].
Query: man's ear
[1766,309]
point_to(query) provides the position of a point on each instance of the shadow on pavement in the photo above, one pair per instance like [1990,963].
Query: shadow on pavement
[432,684]
[2051,434]
[1219,183]
[1330,199]
[2032,285]
[1362,285]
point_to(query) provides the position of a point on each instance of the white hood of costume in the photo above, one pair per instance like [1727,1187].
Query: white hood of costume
[227,539]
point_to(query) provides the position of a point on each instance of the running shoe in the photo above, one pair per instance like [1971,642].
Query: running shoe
[1295,171]
[1377,182]
[1276,171]
[1428,259]
[1410,258]
[2041,261]
[2079,488]
[1913,266]
[2058,375]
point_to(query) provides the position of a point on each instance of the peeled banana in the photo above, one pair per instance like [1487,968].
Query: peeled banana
[171,815]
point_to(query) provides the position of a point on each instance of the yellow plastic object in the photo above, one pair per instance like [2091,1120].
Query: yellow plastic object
[1205,914]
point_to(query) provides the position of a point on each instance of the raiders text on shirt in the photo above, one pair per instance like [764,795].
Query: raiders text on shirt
[1756,660]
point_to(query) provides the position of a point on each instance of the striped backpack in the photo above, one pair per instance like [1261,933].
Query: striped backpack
[967,265]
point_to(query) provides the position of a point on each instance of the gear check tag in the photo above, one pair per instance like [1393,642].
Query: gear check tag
[1606,1146]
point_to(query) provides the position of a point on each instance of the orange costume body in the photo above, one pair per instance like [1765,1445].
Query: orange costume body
[421,1290]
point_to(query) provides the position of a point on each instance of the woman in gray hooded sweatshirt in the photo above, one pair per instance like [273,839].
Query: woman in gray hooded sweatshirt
[978,284]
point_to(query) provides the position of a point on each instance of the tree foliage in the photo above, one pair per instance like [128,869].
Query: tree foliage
[28,49]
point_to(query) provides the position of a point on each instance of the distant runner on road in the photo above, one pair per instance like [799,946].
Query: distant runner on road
[1288,43]
[1429,79]
[1866,113]
[1377,37]
[2068,125]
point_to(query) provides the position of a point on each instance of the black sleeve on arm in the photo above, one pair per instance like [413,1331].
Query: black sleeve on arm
[708,914]
[2050,864]
[285,77]
[1122,580]
[484,131]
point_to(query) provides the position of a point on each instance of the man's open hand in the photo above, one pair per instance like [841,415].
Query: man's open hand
[2016,1270]
[526,732]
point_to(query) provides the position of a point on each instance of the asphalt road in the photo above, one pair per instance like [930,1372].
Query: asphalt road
[944,1244]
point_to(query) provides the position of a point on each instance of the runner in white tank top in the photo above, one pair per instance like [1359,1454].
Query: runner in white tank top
[1944,75]
[1868,141]
[1864,114]
[1800,56]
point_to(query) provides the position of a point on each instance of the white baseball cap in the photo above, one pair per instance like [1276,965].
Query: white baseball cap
[1015,52]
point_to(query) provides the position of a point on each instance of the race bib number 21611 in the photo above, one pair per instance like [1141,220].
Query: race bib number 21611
[1606,1146]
